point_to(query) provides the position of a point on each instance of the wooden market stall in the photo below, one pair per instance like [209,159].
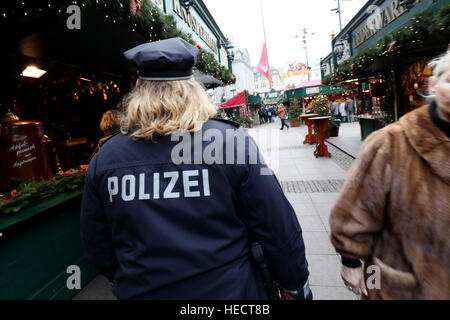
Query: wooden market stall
[303,96]
[242,108]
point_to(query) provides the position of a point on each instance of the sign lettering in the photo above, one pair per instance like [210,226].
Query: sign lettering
[378,21]
[195,25]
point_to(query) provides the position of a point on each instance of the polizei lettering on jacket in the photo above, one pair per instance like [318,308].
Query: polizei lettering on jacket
[184,184]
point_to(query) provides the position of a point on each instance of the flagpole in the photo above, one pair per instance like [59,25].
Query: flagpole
[265,42]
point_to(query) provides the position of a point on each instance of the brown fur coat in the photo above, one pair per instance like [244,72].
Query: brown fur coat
[394,209]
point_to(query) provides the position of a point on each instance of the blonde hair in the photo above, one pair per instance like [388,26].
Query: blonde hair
[110,118]
[163,107]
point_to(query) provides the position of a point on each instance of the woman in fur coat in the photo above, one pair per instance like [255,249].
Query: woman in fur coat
[393,213]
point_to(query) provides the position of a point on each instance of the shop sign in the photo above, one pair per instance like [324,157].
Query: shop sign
[223,57]
[312,90]
[325,67]
[273,95]
[195,25]
[380,18]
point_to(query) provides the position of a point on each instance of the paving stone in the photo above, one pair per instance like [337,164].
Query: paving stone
[332,293]
[310,223]
[325,270]
[323,197]
[318,243]
[98,289]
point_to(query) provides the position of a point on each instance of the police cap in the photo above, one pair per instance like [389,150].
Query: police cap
[170,59]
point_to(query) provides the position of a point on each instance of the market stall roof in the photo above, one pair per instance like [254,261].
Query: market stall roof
[309,84]
[207,80]
[254,99]
[236,101]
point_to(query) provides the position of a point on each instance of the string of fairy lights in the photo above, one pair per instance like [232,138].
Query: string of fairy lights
[148,21]
[30,8]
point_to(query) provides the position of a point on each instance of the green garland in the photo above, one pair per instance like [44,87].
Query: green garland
[149,22]
[30,191]
[426,27]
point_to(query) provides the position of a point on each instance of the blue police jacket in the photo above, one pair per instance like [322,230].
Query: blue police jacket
[161,220]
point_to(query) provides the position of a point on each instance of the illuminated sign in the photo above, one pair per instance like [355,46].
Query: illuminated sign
[380,18]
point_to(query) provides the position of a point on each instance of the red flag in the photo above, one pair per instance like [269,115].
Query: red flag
[263,66]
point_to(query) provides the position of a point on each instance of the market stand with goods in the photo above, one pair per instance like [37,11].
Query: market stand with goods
[304,96]
[242,108]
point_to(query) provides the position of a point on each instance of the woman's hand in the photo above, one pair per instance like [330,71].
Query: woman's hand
[354,279]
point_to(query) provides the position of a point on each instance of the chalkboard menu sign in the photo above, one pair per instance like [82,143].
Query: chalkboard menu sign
[23,154]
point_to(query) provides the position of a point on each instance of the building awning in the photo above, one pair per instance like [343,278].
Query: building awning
[236,101]
[313,91]
[254,100]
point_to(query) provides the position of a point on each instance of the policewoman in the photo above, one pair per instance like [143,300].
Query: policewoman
[169,209]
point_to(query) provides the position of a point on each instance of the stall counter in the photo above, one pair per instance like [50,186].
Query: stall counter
[38,244]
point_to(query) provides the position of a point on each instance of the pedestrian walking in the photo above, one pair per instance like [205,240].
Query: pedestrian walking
[394,209]
[160,225]
[266,115]
[282,112]
[269,115]
[349,108]
[261,115]
[342,111]
[273,112]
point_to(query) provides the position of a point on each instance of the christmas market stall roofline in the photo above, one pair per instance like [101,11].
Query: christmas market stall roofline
[114,21]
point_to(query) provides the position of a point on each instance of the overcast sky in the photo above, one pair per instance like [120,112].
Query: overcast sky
[240,20]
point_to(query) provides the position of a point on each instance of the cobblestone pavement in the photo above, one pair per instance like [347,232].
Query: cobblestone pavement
[343,160]
[312,186]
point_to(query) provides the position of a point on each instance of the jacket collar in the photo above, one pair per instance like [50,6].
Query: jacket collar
[429,141]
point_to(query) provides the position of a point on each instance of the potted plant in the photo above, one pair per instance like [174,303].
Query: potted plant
[333,126]
[294,116]
[248,122]
[321,108]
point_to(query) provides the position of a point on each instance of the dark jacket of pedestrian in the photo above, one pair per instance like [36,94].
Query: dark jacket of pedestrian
[349,105]
[394,209]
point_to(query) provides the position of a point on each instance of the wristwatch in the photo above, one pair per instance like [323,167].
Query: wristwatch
[302,294]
